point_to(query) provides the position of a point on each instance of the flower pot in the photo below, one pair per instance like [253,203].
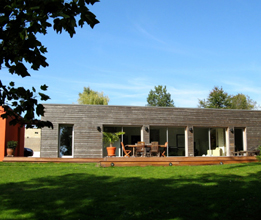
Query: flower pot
[111,151]
[10,152]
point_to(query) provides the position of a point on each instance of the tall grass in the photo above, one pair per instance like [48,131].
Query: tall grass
[86,191]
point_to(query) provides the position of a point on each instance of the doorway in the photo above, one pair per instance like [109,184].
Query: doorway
[66,141]
[132,135]
[239,139]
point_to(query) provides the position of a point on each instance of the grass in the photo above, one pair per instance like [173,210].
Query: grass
[85,191]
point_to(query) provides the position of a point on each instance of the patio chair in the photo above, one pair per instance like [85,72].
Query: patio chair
[164,150]
[155,148]
[126,152]
[147,149]
[140,149]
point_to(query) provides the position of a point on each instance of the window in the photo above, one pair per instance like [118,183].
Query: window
[66,141]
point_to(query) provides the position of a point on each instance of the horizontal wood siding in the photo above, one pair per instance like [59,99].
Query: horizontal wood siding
[86,118]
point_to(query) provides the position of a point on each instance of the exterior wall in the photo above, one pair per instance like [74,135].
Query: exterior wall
[33,140]
[2,135]
[190,140]
[231,140]
[86,118]
[146,134]
[9,133]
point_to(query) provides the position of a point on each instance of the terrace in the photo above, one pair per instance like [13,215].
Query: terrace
[141,161]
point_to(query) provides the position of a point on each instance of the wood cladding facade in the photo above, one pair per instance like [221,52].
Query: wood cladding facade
[86,118]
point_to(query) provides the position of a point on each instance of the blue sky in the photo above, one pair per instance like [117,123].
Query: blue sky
[189,46]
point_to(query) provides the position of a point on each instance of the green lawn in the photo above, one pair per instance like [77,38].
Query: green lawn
[86,191]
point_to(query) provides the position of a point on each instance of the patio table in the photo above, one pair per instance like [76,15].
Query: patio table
[146,145]
[134,146]
[149,145]
[253,152]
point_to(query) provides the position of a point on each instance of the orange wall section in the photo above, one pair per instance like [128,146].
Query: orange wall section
[2,135]
[9,133]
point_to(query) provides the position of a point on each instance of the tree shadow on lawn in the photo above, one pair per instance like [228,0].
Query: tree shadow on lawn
[84,196]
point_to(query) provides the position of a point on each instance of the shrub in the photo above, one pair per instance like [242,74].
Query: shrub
[12,144]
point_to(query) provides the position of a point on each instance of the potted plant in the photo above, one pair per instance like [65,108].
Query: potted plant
[111,138]
[11,146]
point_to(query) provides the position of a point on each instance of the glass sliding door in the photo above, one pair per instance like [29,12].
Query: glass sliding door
[117,144]
[175,136]
[176,141]
[132,136]
[221,141]
[158,134]
[201,141]
[218,142]
[65,140]
[210,142]
[239,139]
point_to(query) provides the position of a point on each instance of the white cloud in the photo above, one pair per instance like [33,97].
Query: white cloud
[148,35]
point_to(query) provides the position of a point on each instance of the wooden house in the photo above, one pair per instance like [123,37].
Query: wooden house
[190,132]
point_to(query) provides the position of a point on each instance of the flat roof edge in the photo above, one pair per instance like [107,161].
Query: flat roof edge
[130,106]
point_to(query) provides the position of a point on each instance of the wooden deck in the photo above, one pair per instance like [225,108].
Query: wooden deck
[141,161]
[174,161]
[52,160]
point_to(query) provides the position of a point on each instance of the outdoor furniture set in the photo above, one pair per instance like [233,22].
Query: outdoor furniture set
[145,150]
[245,153]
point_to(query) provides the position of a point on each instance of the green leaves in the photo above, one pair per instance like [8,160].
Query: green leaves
[241,101]
[65,16]
[90,97]
[110,138]
[160,97]
[11,83]
[21,21]
[44,87]
[39,109]
[217,98]
[20,104]
[43,96]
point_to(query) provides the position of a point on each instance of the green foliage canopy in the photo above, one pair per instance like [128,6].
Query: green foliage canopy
[241,101]
[21,21]
[90,97]
[217,98]
[160,97]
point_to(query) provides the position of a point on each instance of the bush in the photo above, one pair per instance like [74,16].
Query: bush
[12,144]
